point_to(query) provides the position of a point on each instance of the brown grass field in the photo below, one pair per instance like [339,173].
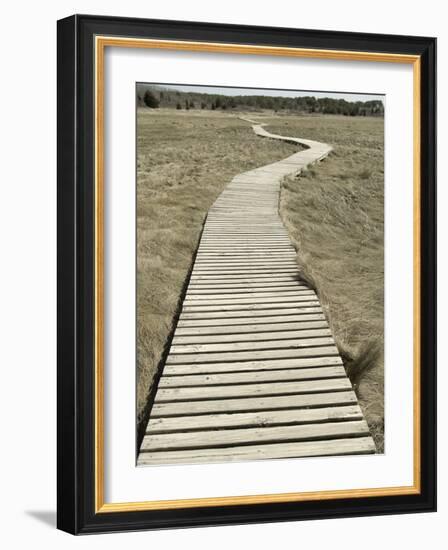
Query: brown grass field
[333,212]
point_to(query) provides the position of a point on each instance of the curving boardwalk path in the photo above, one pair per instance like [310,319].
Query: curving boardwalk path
[253,371]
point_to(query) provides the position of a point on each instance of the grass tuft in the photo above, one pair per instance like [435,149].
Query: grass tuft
[358,366]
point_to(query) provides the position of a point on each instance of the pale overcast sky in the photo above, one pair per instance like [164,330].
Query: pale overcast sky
[282,93]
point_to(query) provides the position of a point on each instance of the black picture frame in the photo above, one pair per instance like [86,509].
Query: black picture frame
[76,255]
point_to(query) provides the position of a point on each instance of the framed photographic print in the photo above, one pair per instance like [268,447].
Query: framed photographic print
[246,274]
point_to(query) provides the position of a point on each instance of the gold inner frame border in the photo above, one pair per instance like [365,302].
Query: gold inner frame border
[100,44]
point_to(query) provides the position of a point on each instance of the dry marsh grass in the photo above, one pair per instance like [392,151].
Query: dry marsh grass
[334,213]
[184,160]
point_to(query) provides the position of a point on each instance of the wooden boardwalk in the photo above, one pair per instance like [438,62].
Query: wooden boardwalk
[253,371]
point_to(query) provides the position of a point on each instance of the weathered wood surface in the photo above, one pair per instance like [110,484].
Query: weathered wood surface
[296,449]
[253,371]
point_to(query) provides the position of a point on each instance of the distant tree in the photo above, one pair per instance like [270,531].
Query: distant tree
[150,100]
[306,104]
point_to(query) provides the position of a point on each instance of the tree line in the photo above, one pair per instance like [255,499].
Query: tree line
[153,98]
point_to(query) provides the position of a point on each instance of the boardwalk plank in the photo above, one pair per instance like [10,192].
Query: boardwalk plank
[279,402]
[309,302]
[166,395]
[190,358]
[302,317]
[249,286]
[246,420]
[241,330]
[252,312]
[250,336]
[251,377]
[251,436]
[282,298]
[234,294]
[292,343]
[254,366]
[352,446]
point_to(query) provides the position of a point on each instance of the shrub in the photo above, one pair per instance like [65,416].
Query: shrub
[150,100]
